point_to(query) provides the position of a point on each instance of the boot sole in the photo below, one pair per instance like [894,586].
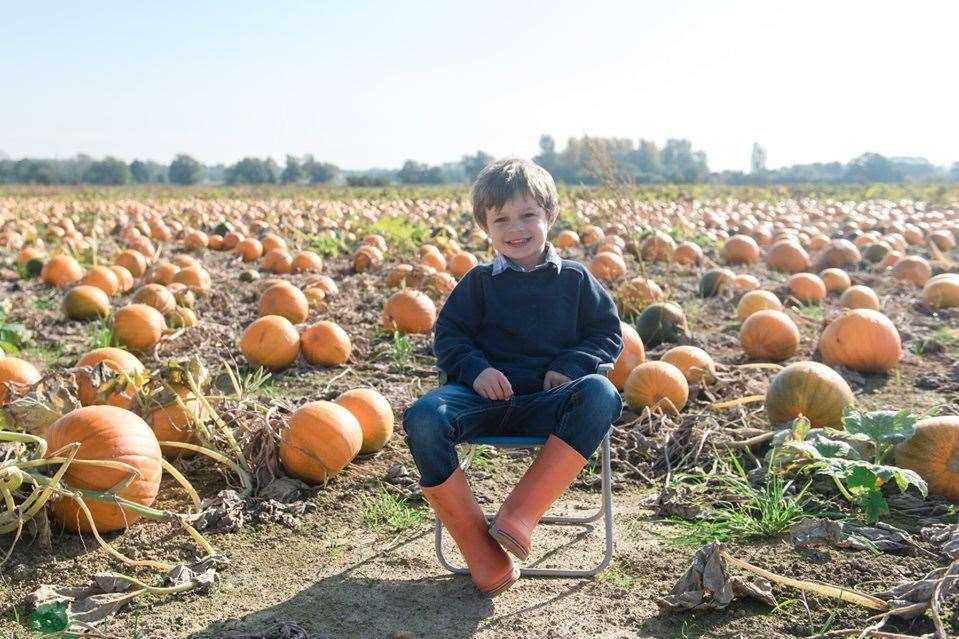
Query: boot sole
[508,543]
[510,580]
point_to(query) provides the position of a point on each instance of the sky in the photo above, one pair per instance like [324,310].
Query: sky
[372,84]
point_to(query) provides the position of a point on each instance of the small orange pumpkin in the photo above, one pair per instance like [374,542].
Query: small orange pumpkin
[374,414]
[286,301]
[138,326]
[769,335]
[810,389]
[863,340]
[86,303]
[271,342]
[409,311]
[320,440]
[656,385]
[632,355]
[325,343]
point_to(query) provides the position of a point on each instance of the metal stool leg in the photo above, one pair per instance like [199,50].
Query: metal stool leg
[605,511]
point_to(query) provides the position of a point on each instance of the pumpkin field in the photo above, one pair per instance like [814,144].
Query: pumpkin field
[201,394]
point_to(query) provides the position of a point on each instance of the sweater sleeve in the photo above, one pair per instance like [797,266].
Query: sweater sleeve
[457,324]
[601,340]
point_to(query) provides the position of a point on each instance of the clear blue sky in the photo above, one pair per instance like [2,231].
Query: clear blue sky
[370,84]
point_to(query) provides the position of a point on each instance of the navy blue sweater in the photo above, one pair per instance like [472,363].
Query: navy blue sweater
[557,317]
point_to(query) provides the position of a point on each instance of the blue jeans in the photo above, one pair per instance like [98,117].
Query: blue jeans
[579,412]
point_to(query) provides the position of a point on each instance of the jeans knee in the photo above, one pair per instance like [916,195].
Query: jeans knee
[426,424]
[602,396]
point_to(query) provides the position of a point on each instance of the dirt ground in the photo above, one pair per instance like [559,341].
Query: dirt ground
[335,577]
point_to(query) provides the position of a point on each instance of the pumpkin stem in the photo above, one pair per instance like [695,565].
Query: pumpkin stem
[183,481]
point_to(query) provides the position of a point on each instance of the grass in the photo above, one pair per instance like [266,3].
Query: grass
[401,350]
[100,334]
[387,513]
[46,303]
[324,245]
[812,311]
[402,234]
[948,338]
[622,574]
[481,458]
[767,511]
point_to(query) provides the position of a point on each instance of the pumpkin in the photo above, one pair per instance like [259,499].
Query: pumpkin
[195,277]
[787,256]
[912,268]
[367,257]
[138,326]
[103,278]
[943,240]
[593,235]
[272,241]
[182,317]
[661,322]
[231,239]
[810,389]
[277,261]
[163,273]
[876,252]
[461,264]
[942,292]
[124,277]
[687,254]
[632,355]
[607,266]
[835,279]
[61,271]
[86,303]
[807,288]
[286,301]
[754,301]
[409,311]
[374,414]
[399,275]
[859,296]
[740,249]
[377,240]
[249,249]
[863,340]
[323,282]
[215,242]
[271,342]
[658,247]
[196,240]
[155,295]
[933,452]
[714,281]
[769,335]
[656,385]
[838,253]
[174,423]
[320,440]
[113,434]
[18,373]
[325,343]
[745,282]
[133,261]
[694,363]
[432,257]
[306,261]
[566,239]
[633,296]
[440,284]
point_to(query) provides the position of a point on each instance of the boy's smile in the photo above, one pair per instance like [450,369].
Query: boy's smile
[518,230]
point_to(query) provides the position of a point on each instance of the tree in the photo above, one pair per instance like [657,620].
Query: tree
[321,172]
[414,172]
[293,172]
[647,162]
[954,171]
[108,171]
[252,171]
[872,167]
[146,172]
[758,160]
[185,170]
[473,164]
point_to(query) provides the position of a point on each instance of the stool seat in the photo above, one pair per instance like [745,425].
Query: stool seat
[506,441]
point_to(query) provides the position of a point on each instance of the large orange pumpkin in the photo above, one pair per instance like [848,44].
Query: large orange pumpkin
[325,343]
[607,266]
[138,326]
[807,288]
[633,296]
[277,261]
[651,384]
[271,342]
[175,423]
[835,279]
[306,261]
[119,394]
[942,292]
[106,433]
[61,271]
[103,278]
[86,303]
[769,336]
[409,311]
[320,440]
[18,373]
[810,389]
[693,362]
[933,452]
[740,249]
[249,249]
[863,340]
[912,268]
[195,277]
[155,295]
[133,261]
[286,301]
[787,256]
[754,301]
[374,414]
[632,355]
[859,296]
[461,264]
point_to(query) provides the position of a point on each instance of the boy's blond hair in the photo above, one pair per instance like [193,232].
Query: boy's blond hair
[501,181]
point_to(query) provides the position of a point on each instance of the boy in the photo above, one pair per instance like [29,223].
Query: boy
[520,340]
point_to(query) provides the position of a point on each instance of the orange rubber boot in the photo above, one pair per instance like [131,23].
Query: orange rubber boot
[546,479]
[453,502]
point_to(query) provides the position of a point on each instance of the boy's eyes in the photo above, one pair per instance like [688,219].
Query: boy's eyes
[504,219]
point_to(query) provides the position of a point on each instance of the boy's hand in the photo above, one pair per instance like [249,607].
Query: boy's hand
[492,384]
[554,379]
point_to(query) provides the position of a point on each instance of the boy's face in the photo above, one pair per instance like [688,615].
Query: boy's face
[518,230]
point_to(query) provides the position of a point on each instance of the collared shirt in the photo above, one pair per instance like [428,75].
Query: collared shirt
[550,256]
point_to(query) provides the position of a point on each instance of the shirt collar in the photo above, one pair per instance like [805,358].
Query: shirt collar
[502,263]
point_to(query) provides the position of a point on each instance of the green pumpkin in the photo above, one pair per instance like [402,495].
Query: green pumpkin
[661,322]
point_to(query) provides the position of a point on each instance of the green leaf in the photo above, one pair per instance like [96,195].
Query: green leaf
[49,618]
[882,426]
[862,479]
[798,429]
[874,504]
[860,474]
[829,447]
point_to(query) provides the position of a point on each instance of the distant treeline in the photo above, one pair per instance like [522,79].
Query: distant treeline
[585,160]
